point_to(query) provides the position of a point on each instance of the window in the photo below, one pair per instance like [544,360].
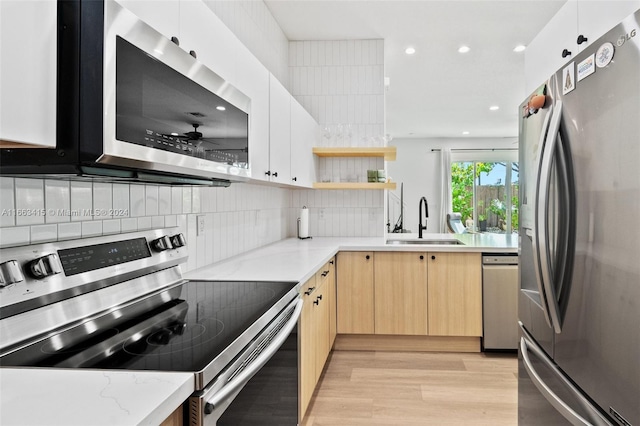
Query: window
[485,193]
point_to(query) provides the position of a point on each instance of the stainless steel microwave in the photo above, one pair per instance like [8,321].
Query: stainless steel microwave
[133,106]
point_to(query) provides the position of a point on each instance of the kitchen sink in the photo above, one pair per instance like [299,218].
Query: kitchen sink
[424,242]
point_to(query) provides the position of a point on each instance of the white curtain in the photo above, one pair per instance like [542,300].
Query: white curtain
[445,185]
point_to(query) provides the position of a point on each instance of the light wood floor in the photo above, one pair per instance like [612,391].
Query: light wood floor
[402,388]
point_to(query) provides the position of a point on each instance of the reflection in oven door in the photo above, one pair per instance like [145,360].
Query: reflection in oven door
[261,386]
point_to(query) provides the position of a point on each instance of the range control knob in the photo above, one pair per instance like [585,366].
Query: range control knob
[161,244]
[178,240]
[45,266]
[10,273]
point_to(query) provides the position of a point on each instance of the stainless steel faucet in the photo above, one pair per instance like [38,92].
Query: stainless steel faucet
[422,201]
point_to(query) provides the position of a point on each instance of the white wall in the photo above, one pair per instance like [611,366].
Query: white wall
[342,83]
[419,168]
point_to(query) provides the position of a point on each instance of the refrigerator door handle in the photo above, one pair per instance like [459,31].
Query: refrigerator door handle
[536,264]
[541,212]
[561,406]
[532,233]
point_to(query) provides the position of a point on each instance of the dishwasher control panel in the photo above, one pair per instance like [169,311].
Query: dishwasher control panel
[500,259]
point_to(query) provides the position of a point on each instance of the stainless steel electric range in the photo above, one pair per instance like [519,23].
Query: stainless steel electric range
[120,302]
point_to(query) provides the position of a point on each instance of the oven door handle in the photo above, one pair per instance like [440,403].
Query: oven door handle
[238,382]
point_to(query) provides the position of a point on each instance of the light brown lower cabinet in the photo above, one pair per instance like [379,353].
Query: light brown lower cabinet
[409,293]
[455,294]
[355,304]
[400,282]
[315,331]
[175,418]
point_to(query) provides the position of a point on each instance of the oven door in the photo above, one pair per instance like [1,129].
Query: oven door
[163,110]
[260,387]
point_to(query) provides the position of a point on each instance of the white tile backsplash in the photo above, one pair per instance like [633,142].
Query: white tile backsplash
[57,197]
[7,202]
[69,231]
[121,200]
[29,200]
[137,200]
[111,226]
[81,200]
[44,233]
[102,200]
[91,229]
[15,236]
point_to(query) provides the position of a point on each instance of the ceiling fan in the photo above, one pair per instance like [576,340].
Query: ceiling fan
[197,136]
[193,135]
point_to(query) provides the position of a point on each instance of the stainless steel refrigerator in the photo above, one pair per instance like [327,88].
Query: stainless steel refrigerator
[579,302]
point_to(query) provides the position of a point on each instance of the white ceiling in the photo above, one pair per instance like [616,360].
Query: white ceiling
[437,92]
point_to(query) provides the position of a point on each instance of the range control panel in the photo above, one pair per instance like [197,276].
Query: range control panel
[57,270]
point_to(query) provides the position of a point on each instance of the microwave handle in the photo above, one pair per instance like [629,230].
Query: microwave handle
[238,382]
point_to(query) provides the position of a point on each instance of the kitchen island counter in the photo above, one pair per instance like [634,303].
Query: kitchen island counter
[34,396]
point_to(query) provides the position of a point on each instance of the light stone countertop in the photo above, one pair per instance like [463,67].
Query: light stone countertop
[34,396]
[297,260]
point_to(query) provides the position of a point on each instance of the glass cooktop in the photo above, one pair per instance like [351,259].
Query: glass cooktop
[181,329]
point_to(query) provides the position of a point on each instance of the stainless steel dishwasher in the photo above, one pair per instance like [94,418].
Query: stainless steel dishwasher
[500,301]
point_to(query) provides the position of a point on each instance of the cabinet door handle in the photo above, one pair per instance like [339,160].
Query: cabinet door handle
[275,174]
[309,290]
[325,273]
[421,257]
[566,53]
[295,179]
[175,40]
[268,173]
[317,301]
[433,258]
[581,39]
[193,53]
[367,257]
[331,262]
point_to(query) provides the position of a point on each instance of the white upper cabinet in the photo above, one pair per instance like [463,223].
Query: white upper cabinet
[28,72]
[162,15]
[279,133]
[544,55]
[564,36]
[595,18]
[304,136]
[252,78]
[202,32]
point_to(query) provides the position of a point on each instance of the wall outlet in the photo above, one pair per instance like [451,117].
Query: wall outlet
[200,225]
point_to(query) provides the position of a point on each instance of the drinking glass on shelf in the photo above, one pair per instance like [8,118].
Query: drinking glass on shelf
[339,133]
[348,133]
[326,133]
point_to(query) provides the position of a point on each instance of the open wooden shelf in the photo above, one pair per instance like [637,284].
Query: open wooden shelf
[387,152]
[354,185]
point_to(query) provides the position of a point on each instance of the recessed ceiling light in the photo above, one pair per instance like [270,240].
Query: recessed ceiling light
[220,108]
[410,50]
[494,108]
[465,133]
[519,48]
[464,49]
